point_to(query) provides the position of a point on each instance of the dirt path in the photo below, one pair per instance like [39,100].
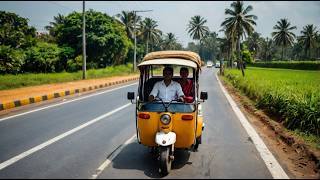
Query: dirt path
[26,92]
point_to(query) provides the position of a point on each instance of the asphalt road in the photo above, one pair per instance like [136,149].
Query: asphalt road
[74,139]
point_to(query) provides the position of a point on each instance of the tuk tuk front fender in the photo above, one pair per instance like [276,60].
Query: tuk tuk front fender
[164,139]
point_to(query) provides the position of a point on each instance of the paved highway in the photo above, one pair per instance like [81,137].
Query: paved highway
[93,136]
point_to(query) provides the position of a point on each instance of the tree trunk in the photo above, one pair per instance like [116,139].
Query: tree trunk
[239,55]
[282,54]
[147,45]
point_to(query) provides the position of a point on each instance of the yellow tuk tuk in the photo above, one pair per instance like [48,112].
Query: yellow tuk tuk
[166,126]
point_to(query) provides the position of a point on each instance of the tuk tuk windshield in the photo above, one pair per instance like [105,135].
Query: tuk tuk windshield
[173,107]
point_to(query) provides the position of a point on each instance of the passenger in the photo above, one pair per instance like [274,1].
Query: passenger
[167,90]
[186,85]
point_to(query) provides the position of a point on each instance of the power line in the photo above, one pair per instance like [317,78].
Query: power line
[60,5]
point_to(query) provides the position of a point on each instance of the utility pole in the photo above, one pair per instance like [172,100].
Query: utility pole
[135,39]
[83,41]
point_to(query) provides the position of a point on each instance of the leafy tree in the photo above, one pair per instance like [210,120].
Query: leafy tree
[106,39]
[41,58]
[11,60]
[15,32]
[282,36]
[308,38]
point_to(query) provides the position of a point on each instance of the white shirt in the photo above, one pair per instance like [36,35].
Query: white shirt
[167,93]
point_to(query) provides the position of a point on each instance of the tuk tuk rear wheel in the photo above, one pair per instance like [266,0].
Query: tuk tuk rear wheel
[165,160]
[198,141]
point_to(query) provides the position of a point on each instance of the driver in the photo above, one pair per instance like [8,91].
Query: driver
[167,90]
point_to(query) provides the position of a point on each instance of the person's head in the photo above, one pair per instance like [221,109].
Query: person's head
[184,72]
[167,73]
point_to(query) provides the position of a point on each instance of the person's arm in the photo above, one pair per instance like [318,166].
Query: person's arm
[180,92]
[154,92]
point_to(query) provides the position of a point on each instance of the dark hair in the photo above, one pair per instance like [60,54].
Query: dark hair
[184,69]
[168,68]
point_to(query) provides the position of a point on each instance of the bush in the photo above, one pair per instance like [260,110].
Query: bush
[300,65]
[11,60]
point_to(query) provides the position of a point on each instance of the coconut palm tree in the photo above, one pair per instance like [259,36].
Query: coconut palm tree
[53,25]
[210,43]
[197,29]
[238,24]
[267,49]
[254,43]
[309,35]
[283,37]
[148,31]
[170,41]
[127,18]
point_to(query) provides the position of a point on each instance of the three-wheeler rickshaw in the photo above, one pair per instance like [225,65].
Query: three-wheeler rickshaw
[166,126]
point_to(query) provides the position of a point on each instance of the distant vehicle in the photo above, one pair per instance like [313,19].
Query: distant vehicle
[217,64]
[209,64]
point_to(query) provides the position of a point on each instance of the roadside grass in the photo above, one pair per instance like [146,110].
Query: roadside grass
[292,95]
[24,80]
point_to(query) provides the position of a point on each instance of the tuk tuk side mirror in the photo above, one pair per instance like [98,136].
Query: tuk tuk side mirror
[203,95]
[130,96]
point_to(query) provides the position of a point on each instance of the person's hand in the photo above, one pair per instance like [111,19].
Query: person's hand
[180,99]
[151,98]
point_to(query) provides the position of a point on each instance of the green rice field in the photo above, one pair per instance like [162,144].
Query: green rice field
[292,95]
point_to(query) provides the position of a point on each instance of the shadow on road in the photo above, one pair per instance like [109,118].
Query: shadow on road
[139,157]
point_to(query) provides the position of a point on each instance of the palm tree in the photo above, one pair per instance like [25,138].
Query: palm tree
[170,41]
[239,24]
[210,43]
[267,49]
[128,18]
[309,35]
[197,29]
[148,31]
[60,19]
[283,37]
[254,43]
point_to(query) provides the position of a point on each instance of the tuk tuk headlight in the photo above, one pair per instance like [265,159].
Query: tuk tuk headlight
[165,119]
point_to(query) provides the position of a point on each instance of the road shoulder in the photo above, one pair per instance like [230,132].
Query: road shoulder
[297,158]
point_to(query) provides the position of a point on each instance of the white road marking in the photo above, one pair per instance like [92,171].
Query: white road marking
[65,102]
[57,138]
[106,163]
[272,164]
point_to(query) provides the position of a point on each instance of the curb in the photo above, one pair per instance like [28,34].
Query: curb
[35,99]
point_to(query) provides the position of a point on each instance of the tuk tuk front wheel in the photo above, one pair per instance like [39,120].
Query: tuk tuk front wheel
[165,160]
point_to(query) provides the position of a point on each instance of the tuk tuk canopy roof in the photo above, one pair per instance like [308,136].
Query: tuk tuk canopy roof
[172,57]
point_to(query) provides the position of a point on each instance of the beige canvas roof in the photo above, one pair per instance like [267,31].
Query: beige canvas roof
[174,55]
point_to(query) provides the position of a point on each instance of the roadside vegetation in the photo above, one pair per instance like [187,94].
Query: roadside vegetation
[32,79]
[291,95]
[302,65]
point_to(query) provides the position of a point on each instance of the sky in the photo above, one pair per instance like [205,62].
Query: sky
[173,16]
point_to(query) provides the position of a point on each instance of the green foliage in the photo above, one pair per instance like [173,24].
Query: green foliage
[15,32]
[11,60]
[74,65]
[42,58]
[24,80]
[247,57]
[302,65]
[107,42]
[293,95]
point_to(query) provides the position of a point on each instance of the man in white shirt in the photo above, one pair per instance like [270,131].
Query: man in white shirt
[167,90]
